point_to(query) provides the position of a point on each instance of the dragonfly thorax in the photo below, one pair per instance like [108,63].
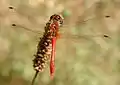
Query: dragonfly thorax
[57,18]
[53,25]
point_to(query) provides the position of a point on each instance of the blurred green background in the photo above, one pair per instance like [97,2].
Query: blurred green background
[83,55]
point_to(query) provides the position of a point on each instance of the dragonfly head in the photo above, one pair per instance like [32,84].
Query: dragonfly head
[57,18]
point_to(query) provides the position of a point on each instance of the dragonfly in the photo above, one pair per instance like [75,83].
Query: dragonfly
[51,30]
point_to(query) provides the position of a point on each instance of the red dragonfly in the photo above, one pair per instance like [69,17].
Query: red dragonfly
[54,25]
[46,46]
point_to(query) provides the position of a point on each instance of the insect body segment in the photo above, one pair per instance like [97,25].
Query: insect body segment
[43,53]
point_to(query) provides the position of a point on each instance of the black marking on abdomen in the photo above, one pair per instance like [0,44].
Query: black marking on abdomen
[43,52]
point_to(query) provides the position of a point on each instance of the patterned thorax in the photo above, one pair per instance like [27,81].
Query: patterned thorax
[56,18]
[44,48]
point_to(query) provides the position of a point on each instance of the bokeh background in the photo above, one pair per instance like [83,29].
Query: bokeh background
[83,55]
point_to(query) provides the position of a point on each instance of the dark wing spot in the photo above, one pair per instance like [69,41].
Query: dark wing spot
[107,16]
[106,36]
[13,24]
[10,7]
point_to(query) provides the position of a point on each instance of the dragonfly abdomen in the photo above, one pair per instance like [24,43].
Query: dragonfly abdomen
[43,52]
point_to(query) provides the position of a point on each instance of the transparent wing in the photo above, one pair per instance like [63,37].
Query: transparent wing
[84,16]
